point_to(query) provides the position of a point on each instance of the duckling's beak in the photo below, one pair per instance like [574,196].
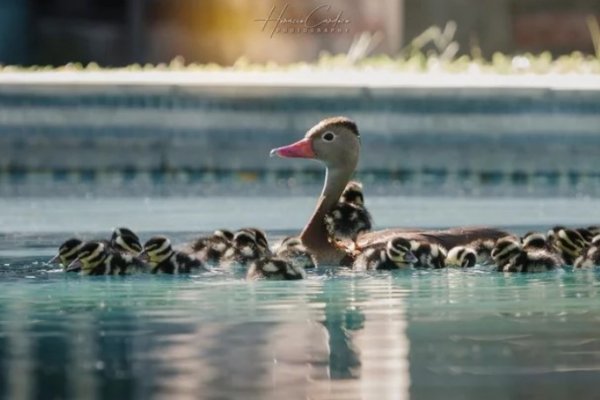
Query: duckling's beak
[300,149]
[74,266]
[410,258]
[54,259]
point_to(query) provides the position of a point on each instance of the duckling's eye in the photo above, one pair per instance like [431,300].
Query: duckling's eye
[328,136]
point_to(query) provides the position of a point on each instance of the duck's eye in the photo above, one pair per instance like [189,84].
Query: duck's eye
[328,136]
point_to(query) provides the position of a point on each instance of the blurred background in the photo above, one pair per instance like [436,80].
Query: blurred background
[121,32]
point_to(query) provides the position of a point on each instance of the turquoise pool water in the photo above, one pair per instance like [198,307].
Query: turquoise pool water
[421,334]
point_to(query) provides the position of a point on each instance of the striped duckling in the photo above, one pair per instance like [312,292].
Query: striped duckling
[67,252]
[97,258]
[510,256]
[292,250]
[211,249]
[395,254]
[247,246]
[274,268]
[568,243]
[161,257]
[124,240]
[349,218]
[461,256]
[590,257]
[428,255]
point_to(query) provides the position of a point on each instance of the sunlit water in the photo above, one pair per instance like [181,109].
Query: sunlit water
[424,334]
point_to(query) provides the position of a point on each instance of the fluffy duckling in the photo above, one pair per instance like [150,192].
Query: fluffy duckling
[260,237]
[590,256]
[349,218]
[161,257]
[569,243]
[428,255]
[505,250]
[97,258]
[461,256]
[211,249]
[124,240]
[395,254]
[510,256]
[292,250]
[67,252]
[274,268]
[244,249]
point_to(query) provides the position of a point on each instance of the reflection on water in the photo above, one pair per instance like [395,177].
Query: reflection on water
[450,334]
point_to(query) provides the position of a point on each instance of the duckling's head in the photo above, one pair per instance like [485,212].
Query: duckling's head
[461,256]
[292,243]
[399,251]
[569,242]
[353,194]
[244,243]
[156,250]
[125,240]
[334,141]
[506,249]
[260,238]
[596,240]
[553,232]
[67,252]
[224,234]
[534,240]
[89,257]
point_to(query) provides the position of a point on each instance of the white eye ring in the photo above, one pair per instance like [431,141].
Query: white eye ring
[328,136]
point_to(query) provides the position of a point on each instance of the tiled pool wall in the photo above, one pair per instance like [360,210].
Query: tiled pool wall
[416,136]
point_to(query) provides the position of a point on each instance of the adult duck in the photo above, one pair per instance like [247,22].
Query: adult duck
[336,142]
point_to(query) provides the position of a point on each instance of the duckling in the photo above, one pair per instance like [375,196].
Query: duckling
[428,255]
[395,254]
[505,250]
[292,250]
[97,258]
[510,256]
[534,261]
[67,252]
[161,257]
[124,240]
[349,218]
[211,249]
[274,268]
[244,249]
[461,256]
[568,243]
[260,239]
[590,256]
[535,241]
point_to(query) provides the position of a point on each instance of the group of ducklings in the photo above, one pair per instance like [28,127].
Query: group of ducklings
[533,252]
[248,248]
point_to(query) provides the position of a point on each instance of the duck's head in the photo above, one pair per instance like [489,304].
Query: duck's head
[156,250]
[506,249]
[67,252]
[126,241]
[292,243]
[89,257]
[353,194]
[334,141]
[553,232]
[534,240]
[399,251]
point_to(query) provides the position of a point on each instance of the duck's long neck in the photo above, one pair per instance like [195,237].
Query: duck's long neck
[315,236]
